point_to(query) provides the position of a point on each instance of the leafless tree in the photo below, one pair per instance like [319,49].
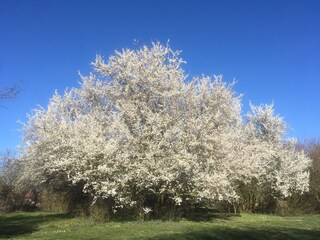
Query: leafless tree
[10,92]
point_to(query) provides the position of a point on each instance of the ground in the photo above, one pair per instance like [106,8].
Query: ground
[40,225]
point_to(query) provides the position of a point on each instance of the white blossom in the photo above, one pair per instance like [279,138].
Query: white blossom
[140,123]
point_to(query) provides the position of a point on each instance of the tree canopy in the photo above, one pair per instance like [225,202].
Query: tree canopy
[139,125]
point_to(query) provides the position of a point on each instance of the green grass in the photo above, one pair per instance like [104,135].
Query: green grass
[47,226]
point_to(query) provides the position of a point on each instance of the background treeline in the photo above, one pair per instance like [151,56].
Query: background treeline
[253,198]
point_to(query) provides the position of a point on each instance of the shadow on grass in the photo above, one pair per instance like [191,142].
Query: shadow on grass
[208,215]
[12,225]
[221,233]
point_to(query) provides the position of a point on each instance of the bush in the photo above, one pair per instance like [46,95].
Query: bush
[99,212]
[65,198]
[10,198]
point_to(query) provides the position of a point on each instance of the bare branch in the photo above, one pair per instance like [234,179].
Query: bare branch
[9,93]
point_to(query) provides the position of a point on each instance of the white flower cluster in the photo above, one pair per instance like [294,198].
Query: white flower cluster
[146,210]
[140,124]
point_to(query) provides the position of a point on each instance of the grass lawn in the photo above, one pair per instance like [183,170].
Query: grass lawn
[47,226]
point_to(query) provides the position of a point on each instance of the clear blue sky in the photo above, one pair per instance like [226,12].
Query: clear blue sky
[272,48]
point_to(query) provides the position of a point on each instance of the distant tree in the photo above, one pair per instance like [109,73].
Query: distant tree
[10,198]
[9,168]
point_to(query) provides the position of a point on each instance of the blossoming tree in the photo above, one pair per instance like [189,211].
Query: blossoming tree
[139,126]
